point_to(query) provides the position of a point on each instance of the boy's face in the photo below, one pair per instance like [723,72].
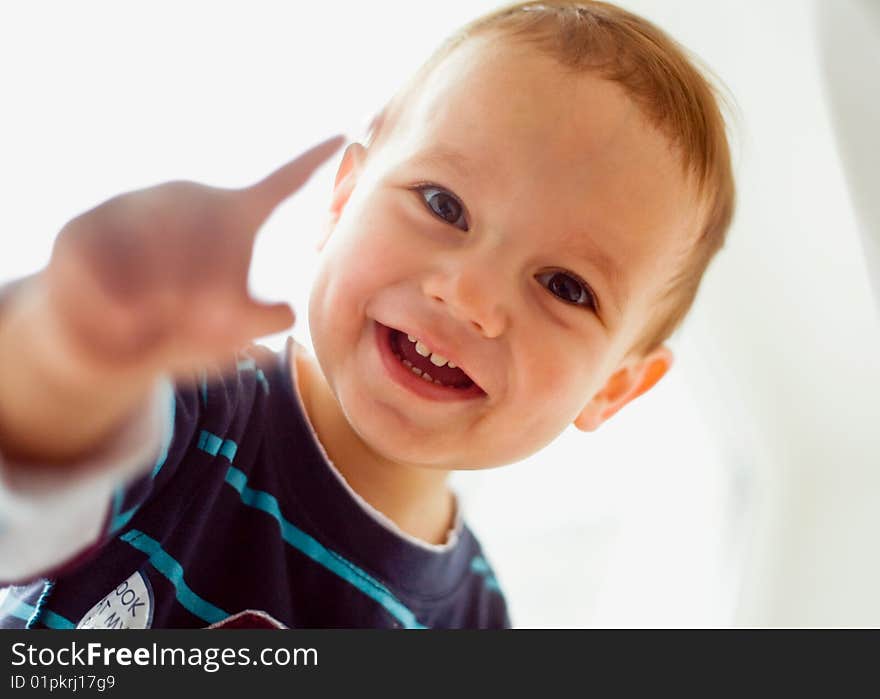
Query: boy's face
[505,181]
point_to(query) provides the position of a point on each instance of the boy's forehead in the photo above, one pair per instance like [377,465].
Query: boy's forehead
[502,109]
[506,95]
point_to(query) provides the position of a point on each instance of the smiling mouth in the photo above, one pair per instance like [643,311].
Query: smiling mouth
[406,367]
[445,376]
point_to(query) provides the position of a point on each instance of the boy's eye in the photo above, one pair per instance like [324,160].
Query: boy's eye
[443,205]
[569,288]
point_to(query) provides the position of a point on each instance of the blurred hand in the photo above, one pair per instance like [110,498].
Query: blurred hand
[156,279]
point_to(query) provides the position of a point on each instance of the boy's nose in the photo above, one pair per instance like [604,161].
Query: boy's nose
[471,294]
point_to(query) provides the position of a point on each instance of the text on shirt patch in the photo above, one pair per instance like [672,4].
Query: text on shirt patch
[128,606]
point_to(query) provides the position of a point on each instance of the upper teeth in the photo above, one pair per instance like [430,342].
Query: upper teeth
[422,349]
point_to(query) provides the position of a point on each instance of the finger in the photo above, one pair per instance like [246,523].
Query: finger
[269,192]
[260,319]
[221,332]
[215,329]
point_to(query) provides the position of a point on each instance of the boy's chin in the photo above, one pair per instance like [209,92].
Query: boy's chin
[419,456]
[428,457]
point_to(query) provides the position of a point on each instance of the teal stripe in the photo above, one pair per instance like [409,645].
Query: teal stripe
[56,621]
[210,443]
[172,570]
[119,520]
[15,607]
[118,494]
[228,449]
[481,567]
[213,445]
[41,602]
[22,610]
[204,387]
[492,584]
[168,437]
[312,548]
[248,364]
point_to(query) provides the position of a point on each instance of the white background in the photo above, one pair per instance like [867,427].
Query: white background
[741,490]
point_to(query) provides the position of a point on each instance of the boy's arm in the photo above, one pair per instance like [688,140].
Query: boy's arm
[150,283]
[49,514]
[52,518]
[52,410]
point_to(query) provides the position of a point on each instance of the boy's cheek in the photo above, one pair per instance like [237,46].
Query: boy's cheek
[558,382]
[370,266]
[354,275]
[375,252]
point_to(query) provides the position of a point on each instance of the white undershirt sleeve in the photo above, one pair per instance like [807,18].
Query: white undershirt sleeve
[49,515]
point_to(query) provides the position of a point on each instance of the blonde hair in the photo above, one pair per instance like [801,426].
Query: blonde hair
[661,78]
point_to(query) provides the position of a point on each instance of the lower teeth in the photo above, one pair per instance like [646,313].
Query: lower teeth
[418,372]
[426,376]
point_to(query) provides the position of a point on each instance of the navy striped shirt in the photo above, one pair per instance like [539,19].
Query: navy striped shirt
[242,511]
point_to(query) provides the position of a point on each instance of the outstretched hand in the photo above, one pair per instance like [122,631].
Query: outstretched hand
[156,279]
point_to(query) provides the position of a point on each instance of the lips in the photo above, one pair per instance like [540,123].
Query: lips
[422,387]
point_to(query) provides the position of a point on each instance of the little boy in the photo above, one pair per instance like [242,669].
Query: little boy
[526,225]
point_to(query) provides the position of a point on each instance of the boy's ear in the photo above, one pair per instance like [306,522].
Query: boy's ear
[346,178]
[626,384]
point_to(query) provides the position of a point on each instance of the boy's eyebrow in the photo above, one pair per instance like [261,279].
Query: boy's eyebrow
[588,251]
[445,156]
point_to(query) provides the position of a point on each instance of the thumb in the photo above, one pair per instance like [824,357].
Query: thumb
[259,319]
[269,192]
